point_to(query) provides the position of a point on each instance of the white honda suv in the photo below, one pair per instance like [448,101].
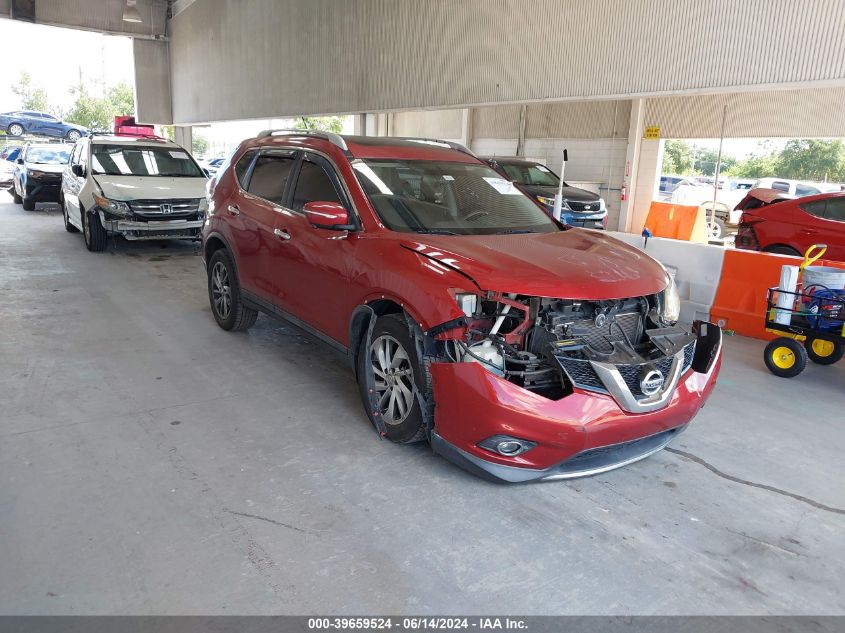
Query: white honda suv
[143,188]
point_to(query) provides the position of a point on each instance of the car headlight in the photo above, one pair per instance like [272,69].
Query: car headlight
[114,207]
[549,202]
[669,304]
[602,205]
[203,208]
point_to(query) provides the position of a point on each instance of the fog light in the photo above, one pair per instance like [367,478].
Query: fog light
[506,445]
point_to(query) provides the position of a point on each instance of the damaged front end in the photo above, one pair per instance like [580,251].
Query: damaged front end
[566,378]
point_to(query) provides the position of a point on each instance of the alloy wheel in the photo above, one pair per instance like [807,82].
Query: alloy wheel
[221,290]
[73,136]
[393,378]
[15,130]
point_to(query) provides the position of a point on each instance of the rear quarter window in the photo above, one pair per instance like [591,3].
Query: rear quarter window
[242,166]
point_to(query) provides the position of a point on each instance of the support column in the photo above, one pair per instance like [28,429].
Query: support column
[632,156]
[466,128]
[184,136]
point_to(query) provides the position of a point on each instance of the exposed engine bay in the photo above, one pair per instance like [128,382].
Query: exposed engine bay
[629,348]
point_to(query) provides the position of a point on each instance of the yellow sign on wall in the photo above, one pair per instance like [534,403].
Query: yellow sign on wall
[652,131]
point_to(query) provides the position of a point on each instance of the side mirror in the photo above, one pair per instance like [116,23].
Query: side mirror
[77,170]
[328,215]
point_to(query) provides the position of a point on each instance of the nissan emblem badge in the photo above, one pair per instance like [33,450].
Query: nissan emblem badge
[651,382]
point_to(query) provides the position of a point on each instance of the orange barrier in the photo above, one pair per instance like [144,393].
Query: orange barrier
[740,302]
[677,222]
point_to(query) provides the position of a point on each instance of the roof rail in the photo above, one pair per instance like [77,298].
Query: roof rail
[334,139]
[148,137]
[452,144]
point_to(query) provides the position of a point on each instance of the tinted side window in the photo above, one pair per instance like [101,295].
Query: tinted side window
[780,186]
[816,207]
[242,165]
[835,209]
[270,177]
[313,185]
[805,190]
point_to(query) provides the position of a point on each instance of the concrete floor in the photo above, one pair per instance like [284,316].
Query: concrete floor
[152,463]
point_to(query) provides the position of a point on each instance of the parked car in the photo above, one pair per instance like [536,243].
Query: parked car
[580,207]
[668,184]
[520,347]
[8,158]
[40,123]
[727,196]
[774,222]
[797,188]
[213,164]
[38,173]
[140,188]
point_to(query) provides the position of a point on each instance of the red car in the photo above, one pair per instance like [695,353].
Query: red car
[520,348]
[777,224]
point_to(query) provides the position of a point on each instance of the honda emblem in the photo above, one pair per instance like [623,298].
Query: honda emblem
[166,208]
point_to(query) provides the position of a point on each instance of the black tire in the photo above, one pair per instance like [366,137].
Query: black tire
[73,135]
[411,427]
[15,197]
[95,234]
[782,250]
[70,228]
[28,204]
[824,352]
[15,129]
[785,357]
[224,294]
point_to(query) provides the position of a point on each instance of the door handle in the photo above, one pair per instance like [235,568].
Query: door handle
[233,209]
[282,234]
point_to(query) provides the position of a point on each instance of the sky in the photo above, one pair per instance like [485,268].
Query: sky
[55,57]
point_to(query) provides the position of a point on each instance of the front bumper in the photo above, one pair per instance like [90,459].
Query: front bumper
[153,229]
[581,434]
[41,191]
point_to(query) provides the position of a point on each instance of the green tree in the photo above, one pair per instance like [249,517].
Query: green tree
[676,157]
[324,123]
[754,166]
[32,97]
[199,145]
[97,113]
[812,159]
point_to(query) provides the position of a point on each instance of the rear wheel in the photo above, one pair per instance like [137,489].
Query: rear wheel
[824,352]
[389,375]
[95,235]
[73,136]
[15,129]
[224,294]
[785,357]
[716,229]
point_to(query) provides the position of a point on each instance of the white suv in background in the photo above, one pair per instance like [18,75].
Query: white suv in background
[139,187]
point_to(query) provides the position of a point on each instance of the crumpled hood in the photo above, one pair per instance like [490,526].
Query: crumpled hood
[47,168]
[150,187]
[571,264]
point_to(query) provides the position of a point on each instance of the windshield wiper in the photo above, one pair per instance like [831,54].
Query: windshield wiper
[435,232]
[513,232]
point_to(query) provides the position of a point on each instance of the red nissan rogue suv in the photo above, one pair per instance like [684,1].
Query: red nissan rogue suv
[521,348]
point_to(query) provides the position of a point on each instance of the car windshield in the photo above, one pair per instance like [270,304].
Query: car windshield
[526,174]
[47,156]
[449,198]
[120,160]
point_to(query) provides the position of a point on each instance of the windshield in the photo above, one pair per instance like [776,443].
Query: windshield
[531,175]
[119,160]
[47,156]
[450,198]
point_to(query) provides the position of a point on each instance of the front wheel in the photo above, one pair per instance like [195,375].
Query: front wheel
[28,204]
[15,197]
[224,294]
[94,232]
[824,352]
[785,357]
[716,229]
[389,375]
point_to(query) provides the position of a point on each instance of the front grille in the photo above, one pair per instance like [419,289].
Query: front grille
[584,207]
[581,373]
[605,457]
[179,209]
